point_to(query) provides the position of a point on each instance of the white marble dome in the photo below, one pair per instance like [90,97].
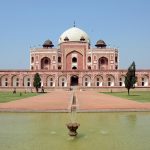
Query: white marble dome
[74,34]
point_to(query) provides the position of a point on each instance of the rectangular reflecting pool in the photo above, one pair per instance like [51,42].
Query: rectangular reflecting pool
[97,131]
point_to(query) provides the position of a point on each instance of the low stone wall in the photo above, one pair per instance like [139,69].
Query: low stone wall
[31,89]
[100,89]
[114,89]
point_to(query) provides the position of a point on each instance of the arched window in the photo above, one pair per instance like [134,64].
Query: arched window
[28,82]
[59,67]
[145,80]
[89,59]
[62,81]
[51,82]
[97,83]
[110,80]
[74,67]
[17,81]
[6,82]
[89,67]
[59,59]
[32,59]
[116,59]
[98,80]
[86,81]
[74,59]
[121,81]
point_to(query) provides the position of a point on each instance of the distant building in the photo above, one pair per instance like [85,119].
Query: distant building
[73,63]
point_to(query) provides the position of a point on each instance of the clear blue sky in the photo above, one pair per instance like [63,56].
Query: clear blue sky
[120,23]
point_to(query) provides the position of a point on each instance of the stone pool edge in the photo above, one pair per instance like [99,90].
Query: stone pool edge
[79,111]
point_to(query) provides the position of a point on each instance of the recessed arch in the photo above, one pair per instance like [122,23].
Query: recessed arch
[74,59]
[86,80]
[103,63]
[45,63]
[59,59]
[27,81]
[74,80]
[145,80]
[89,59]
[62,81]
[98,80]
[110,80]
[15,81]
[32,59]
[122,80]
[4,80]
[50,81]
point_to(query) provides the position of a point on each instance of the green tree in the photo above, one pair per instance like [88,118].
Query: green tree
[130,78]
[37,82]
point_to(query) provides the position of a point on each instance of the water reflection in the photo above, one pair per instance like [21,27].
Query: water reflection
[132,119]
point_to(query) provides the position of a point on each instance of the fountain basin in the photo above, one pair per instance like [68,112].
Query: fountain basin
[45,131]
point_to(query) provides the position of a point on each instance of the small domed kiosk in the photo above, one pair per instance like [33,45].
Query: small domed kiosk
[48,44]
[100,44]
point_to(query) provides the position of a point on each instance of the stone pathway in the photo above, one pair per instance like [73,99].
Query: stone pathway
[92,100]
[59,101]
[53,101]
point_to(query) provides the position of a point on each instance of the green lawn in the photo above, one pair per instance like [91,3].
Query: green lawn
[9,96]
[140,96]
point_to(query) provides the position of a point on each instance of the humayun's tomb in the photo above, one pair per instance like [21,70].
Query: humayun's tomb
[73,63]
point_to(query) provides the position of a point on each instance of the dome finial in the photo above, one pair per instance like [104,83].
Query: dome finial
[74,24]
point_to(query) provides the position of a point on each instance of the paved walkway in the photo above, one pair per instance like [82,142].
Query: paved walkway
[92,100]
[53,101]
[86,100]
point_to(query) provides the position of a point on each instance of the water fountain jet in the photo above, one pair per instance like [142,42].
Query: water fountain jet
[73,126]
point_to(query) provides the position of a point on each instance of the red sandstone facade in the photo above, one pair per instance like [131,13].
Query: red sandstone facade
[73,62]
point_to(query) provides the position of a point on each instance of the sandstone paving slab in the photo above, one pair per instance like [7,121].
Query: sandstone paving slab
[93,100]
[55,100]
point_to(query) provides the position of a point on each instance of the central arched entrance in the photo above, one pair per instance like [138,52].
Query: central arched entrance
[74,80]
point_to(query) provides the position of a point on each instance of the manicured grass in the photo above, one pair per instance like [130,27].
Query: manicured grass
[140,96]
[9,96]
